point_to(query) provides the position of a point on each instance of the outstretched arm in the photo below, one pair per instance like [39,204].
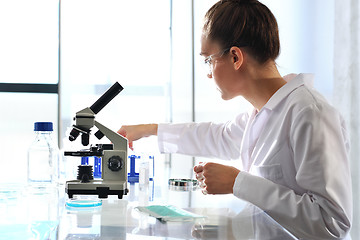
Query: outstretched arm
[136,132]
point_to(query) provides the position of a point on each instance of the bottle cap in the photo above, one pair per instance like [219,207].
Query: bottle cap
[43,126]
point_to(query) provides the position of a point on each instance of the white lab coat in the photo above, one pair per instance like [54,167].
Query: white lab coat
[295,160]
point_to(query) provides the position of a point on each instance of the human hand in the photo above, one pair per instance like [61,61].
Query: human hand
[216,178]
[136,132]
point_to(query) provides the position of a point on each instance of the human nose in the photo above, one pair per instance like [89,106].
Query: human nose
[207,69]
[210,73]
[211,70]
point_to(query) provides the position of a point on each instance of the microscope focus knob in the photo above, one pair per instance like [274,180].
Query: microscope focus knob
[115,163]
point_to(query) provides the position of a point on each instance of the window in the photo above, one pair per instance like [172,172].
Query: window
[103,42]
[28,78]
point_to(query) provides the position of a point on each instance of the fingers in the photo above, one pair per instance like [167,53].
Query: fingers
[200,167]
[202,185]
[200,176]
[131,146]
[199,170]
[216,178]
[122,131]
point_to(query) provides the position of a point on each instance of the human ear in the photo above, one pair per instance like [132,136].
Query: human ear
[237,57]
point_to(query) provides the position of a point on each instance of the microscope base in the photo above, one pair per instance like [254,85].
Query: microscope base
[101,192]
[77,188]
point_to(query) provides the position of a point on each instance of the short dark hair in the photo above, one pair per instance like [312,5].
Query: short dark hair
[244,23]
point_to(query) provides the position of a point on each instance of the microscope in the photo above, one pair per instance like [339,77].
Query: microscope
[113,156]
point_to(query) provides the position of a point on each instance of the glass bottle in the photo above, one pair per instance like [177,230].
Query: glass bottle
[43,158]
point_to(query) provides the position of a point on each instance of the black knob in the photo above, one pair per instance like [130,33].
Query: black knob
[115,163]
[99,135]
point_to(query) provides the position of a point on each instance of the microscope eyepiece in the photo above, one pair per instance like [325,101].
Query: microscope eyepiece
[106,97]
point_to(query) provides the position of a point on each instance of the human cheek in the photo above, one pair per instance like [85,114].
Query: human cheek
[217,79]
[219,75]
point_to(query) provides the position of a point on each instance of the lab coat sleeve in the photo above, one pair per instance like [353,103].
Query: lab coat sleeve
[203,139]
[324,209]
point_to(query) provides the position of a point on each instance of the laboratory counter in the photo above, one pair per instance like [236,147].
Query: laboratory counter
[28,215]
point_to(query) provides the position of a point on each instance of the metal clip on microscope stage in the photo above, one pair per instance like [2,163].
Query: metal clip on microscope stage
[113,156]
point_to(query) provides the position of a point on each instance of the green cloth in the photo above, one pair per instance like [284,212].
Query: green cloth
[169,213]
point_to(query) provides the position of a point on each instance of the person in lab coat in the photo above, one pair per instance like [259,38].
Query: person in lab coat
[293,145]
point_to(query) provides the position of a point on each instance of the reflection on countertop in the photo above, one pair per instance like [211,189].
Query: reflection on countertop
[35,216]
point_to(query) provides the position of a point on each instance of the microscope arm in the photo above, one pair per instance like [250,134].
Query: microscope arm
[120,143]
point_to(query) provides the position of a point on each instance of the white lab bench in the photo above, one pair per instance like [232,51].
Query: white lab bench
[226,217]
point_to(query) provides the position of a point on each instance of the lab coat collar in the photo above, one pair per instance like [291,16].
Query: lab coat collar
[293,82]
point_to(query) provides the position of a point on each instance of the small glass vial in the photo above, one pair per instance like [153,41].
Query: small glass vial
[144,173]
[144,181]
[43,158]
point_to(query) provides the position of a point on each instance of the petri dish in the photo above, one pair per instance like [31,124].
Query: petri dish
[83,203]
[183,184]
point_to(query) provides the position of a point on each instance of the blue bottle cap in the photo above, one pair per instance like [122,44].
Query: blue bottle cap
[43,126]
